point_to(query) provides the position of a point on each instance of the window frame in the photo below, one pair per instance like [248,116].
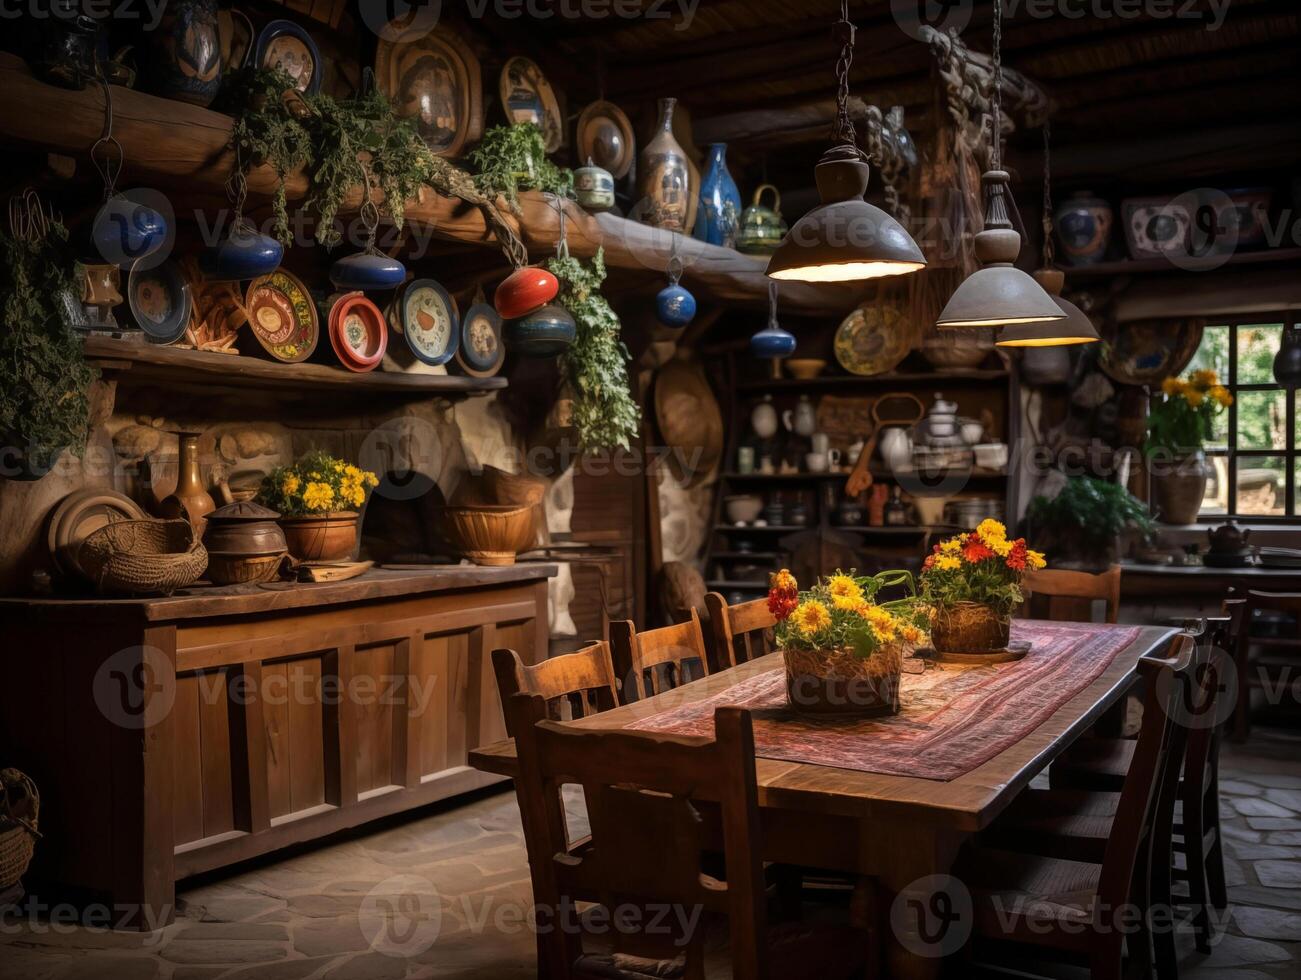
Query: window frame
[1232,454]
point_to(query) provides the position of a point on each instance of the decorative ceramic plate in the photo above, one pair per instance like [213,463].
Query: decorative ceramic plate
[160,301]
[286,46]
[357,332]
[1146,352]
[283,316]
[605,137]
[430,321]
[481,350]
[873,339]
[435,80]
[527,97]
[80,513]
[689,418]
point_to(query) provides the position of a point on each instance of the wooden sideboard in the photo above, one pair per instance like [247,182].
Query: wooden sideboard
[175,735]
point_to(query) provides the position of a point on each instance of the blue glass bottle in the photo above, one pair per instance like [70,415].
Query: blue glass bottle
[719,214]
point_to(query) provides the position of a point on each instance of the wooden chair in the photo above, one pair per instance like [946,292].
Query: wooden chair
[583,680]
[1264,661]
[645,854]
[1065,596]
[1065,900]
[741,632]
[656,660]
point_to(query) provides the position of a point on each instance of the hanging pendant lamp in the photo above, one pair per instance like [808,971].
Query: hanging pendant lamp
[998,294]
[1077,328]
[844,238]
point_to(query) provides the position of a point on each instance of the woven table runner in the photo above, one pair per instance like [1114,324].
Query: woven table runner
[953,718]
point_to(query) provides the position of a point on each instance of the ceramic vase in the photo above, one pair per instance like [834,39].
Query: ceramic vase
[719,214]
[1083,228]
[594,187]
[664,186]
[1287,362]
[185,52]
[190,500]
[1178,488]
[321,537]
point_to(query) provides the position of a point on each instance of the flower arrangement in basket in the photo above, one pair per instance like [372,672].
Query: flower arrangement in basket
[972,583]
[318,498]
[844,651]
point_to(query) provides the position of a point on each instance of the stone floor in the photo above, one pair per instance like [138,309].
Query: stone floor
[458,878]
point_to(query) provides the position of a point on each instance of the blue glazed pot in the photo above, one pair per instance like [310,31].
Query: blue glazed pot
[543,333]
[772,341]
[126,231]
[1084,228]
[366,270]
[675,306]
[185,52]
[719,214]
[246,254]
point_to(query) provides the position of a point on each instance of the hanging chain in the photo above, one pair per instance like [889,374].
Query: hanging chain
[369,210]
[1048,195]
[996,96]
[772,302]
[844,32]
[110,167]
[562,241]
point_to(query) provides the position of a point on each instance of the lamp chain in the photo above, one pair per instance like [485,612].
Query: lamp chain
[1048,196]
[844,132]
[996,96]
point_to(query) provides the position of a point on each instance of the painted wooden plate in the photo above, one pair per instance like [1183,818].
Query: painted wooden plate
[80,513]
[606,138]
[357,332]
[873,339]
[283,316]
[689,419]
[1146,352]
[435,80]
[481,350]
[431,323]
[527,97]
[288,47]
[160,301]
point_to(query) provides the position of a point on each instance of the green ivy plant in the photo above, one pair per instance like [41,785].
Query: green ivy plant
[596,364]
[513,158]
[44,379]
[1085,518]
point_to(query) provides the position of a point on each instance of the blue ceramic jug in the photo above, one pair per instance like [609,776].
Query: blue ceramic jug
[719,214]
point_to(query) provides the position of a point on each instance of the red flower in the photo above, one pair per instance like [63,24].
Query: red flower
[1016,558]
[929,563]
[974,550]
[782,603]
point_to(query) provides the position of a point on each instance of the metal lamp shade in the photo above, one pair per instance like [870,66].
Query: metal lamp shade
[1076,328]
[999,295]
[845,241]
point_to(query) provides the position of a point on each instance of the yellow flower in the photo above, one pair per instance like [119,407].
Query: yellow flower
[1035,559]
[352,473]
[1221,395]
[1172,387]
[1205,379]
[884,632]
[784,581]
[1002,547]
[991,530]
[290,484]
[848,603]
[947,563]
[810,617]
[318,496]
[910,633]
[843,587]
[1193,396]
[370,479]
[951,547]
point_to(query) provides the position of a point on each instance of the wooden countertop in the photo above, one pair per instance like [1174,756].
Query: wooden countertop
[237,600]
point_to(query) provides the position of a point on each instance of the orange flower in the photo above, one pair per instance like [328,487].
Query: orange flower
[1017,559]
[974,550]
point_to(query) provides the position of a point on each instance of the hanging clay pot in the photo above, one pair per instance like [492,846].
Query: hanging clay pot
[542,333]
[367,270]
[524,291]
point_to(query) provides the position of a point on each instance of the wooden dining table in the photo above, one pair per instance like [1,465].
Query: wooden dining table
[891,830]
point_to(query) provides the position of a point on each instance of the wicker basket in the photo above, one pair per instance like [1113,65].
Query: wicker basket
[838,682]
[490,535]
[970,627]
[20,811]
[143,557]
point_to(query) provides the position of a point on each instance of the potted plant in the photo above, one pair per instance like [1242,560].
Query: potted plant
[1178,426]
[1081,524]
[318,498]
[972,583]
[844,651]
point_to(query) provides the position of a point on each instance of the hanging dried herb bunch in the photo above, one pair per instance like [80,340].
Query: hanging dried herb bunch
[44,379]
[513,158]
[596,364]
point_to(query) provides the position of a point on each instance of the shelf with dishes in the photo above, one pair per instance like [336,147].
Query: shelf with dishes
[1155,266]
[936,378]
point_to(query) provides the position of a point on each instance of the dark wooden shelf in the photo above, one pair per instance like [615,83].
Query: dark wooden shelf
[1138,267]
[146,362]
[775,528]
[756,556]
[937,378]
[899,529]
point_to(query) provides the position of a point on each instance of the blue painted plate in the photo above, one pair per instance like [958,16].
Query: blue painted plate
[481,351]
[285,45]
[431,324]
[160,301]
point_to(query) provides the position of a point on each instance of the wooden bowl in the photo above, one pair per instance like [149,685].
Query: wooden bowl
[489,535]
[805,368]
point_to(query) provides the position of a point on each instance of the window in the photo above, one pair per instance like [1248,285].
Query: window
[1254,451]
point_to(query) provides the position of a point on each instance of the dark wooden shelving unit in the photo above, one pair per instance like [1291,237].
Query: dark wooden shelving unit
[824,381]
[1140,267]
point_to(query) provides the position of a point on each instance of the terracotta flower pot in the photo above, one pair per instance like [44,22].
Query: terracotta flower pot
[969,627]
[1178,488]
[321,537]
[838,682]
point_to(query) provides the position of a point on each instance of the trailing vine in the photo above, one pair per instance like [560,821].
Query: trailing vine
[513,158]
[596,364]
[44,378]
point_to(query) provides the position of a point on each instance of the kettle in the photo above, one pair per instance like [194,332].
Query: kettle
[762,228]
[1228,539]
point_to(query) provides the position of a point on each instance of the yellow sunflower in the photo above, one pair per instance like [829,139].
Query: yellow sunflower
[318,496]
[841,586]
[810,617]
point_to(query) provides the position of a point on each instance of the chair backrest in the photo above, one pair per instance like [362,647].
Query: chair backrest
[1146,808]
[583,681]
[741,632]
[647,835]
[1213,680]
[656,660]
[1063,595]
